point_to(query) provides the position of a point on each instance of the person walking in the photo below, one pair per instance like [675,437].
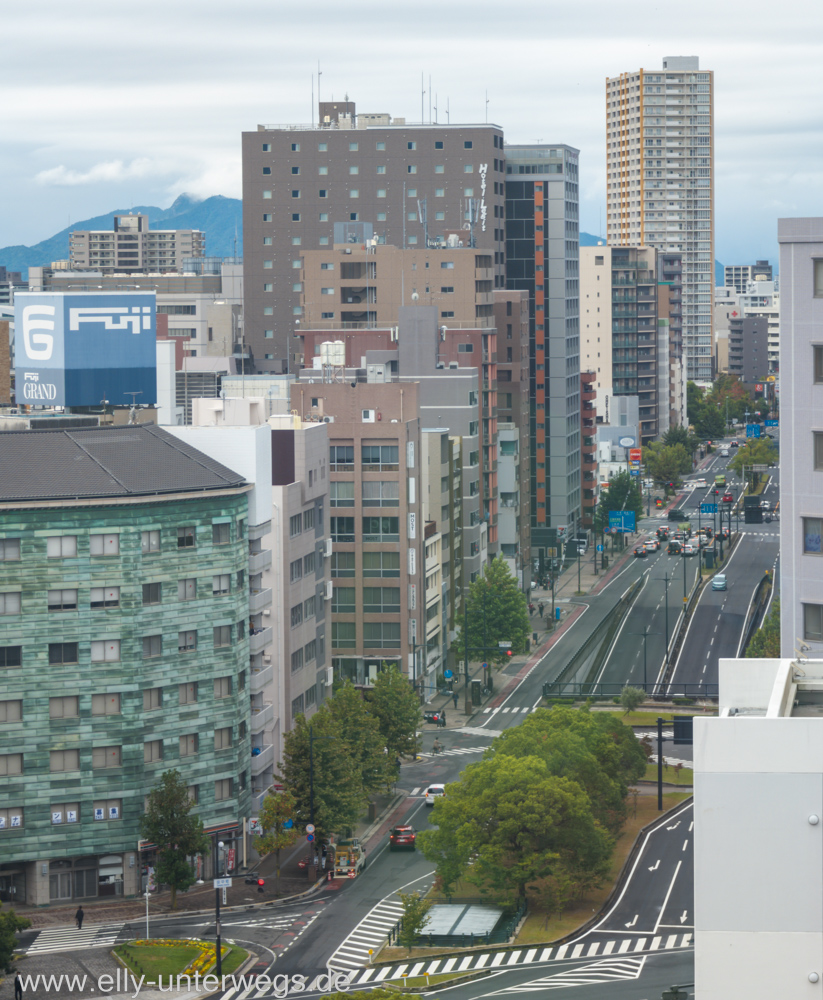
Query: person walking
[18,987]
[78,918]
[454,699]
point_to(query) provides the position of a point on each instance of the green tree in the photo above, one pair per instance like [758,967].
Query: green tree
[666,463]
[178,833]
[756,451]
[496,611]
[710,423]
[694,401]
[415,917]
[622,494]
[510,823]
[276,811]
[10,924]
[396,706]
[766,640]
[360,738]
[631,698]
[680,435]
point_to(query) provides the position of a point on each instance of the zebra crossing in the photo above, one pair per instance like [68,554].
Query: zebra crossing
[54,939]
[276,922]
[514,711]
[590,975]
[610,951]
[366,937]
[456,752]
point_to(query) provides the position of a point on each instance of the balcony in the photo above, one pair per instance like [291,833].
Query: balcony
[258,530]
[260,679]
[264,761]
[258,561]
[261,718]
[258,600]
[261,638]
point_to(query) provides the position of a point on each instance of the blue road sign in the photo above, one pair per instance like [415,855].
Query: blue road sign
[622,520]
[752,430]
[599,548]
[448,674]
[708,508]
[288,824]
[310,837]
[772,423]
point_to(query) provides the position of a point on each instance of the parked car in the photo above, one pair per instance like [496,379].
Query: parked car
[402,836]
[719,581]
[433,793]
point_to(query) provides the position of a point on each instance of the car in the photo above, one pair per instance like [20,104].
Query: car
[640,551]
[765,505]
[729,498]
[433,793]
[719,581]
[701,482]
[678,514]
[674,548]
[734,443]
[402,836]
[724,452]
[690,549]
[652,545]
[724,533]
[663,532]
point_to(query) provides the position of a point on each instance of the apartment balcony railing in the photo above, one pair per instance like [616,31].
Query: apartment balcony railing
[262,761]
[260,679]
[259,561]
[259,600]
[262,718]
[258,640]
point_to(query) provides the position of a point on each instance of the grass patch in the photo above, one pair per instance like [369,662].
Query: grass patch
[235,958]
[650,718]
[151,960]
[686,776]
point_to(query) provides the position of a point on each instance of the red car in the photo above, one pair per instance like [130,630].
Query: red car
[728,498]
[402,836]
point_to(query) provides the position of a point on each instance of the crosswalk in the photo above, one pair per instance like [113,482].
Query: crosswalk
[456,752]
[588,975]
[54,939]
[519,710]
[367,936]
[278,921]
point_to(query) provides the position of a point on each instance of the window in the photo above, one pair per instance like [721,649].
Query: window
[411,169]
[102,757]
[10,604]
[11,656]
[105,650]
[468,192]
[188,693]
[467,144]
[222,738]
[310,651]
[267,217]
[447,289]
[308,519]
[59,652]
[222,687]
[341,494]
[194,793]
[381,529]
[266,195]
[186,538]
[12,763]
[65,812]
[295,147]
[105,704]
[105,809]
[152,699]
[341,457]
[465,348]
[105,597]
[295,525]
[186,641]
[9,549]
[344,635]
[812,528]
[63,600]
[468,168]
[186,590]
[447,265]
[267,242]
[342,564]
[818,278]
[381,192]
[377,457]
[295,194]
[295,170]
[309,563]
[381,494]
[221,583]
[309,606]
[152,646]
[818,450]
[818,363]
[296,615]
[379,146]
[188,745]
[152,593]
[322,193]
[297,660]
[11,711]
[241,681]
[61,546]
[11,818]
[411,145]
[440,192]
[342,529]
[342,602]
[221,533]
[381,564]
[382,635]
[152,751]
[222,789]
[354,193]
[104,545]
[296,571]
[381,170]
[266,147]
[381,600]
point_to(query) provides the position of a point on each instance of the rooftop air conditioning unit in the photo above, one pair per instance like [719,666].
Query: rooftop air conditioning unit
[453,364]
[266,659]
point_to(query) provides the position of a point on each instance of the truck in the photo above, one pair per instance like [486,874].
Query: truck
[720,480]
[349,858]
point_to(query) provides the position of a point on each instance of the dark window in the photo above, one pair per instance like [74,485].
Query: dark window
[152,593]
[61,652]
[221,533]
[185,538]
[438,144]
[12,656]
[468,144]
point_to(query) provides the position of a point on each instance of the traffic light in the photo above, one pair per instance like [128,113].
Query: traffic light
[261,883]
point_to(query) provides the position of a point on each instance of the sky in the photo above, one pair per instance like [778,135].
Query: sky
[109,105]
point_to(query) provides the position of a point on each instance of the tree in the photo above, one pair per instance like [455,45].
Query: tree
[680,435]
[10,924]
[710,422]
[766,640]
[415,917]
[622,494]
[496,611]
[170,824]
[666,463]
[631,699]
[396,706]
[756,451]
[276,811]
[360,738]
[694,401]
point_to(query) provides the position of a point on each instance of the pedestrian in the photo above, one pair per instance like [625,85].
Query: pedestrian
[454,699]
[18,987]
[78,918]
[540,609]
[442,720]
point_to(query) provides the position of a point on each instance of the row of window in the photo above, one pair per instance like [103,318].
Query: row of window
[303,611]
[298,523]
[323,147]
[375,529]
[376,600]
[373,457]
[108,543]
[377,635]
[344,564]
[374,494]
[380,169]
[307,654]
[302,567]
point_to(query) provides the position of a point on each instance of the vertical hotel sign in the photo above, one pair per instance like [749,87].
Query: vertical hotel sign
[483,170]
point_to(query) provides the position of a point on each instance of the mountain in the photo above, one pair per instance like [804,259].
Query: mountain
[221,219]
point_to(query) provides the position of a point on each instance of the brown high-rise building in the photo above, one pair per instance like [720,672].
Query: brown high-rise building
[357,178]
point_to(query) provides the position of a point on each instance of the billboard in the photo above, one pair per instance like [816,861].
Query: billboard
[81,348]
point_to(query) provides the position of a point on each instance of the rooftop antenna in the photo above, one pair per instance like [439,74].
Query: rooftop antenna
[312,98]
[448,118]
[133,408]
[435,109]
[319,74]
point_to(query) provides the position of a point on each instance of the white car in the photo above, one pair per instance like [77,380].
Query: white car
[433,793]
[690,548]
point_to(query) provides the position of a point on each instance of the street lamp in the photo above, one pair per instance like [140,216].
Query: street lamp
[667,581]
[645,634]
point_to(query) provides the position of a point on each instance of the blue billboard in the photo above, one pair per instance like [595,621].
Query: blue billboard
[81,348]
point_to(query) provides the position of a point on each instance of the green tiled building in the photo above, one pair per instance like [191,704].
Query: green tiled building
[124,621]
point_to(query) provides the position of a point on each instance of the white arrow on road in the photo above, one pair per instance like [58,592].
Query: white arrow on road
[683,918]
[676,825]
[655,866]
[634,921]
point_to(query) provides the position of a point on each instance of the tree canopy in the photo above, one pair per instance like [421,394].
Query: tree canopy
[496,612]
[396,706]
[680,435]
[10,924]
[766,640]
[622,494]
[276,811]
[756,451]
[666,463]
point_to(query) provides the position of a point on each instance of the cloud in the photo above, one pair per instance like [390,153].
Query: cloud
[110,171]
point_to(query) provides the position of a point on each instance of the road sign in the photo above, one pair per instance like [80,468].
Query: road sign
[599,547]
[772,423]
[310,837]
[503,645]
[708,508]
[752,430]
[635,454]
[683,730]
[627,442]
[310,827]
[448,674]
[222,883]
[622,520]
[288,824]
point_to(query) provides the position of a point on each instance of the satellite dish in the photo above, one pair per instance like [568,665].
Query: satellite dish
[415,296]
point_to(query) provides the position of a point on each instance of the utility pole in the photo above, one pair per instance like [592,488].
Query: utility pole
[667,581]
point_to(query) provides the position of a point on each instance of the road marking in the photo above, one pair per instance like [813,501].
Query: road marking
[592,949]
[577,951]
[514,957]
[684,916]
[655,866]
[640,944]
[417,969]
[633,922]
[624,946]
[70,939]
[655,944]
[544,955]
[450,965]
[685,844]
[498,958]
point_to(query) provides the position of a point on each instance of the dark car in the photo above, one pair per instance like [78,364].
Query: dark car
[675,548]
[662,533]
[640,551]
[678,514]
[402,836]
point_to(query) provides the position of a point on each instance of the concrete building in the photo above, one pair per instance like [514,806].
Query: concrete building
[761,298]
[738,276]
[748,349]
[542,242]
[588,449]
[358,177]
[758,805]
[124,645]
[131,246]
[660,182]
[670,309]
[801,436]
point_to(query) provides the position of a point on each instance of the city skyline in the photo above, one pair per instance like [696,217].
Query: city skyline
[103,114]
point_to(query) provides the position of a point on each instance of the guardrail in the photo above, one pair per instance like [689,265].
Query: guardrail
[612,689]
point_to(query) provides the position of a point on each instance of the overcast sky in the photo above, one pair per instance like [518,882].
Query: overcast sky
[108,105]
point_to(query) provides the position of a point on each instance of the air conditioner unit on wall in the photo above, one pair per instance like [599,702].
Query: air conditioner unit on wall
[328,544]
[329,589]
